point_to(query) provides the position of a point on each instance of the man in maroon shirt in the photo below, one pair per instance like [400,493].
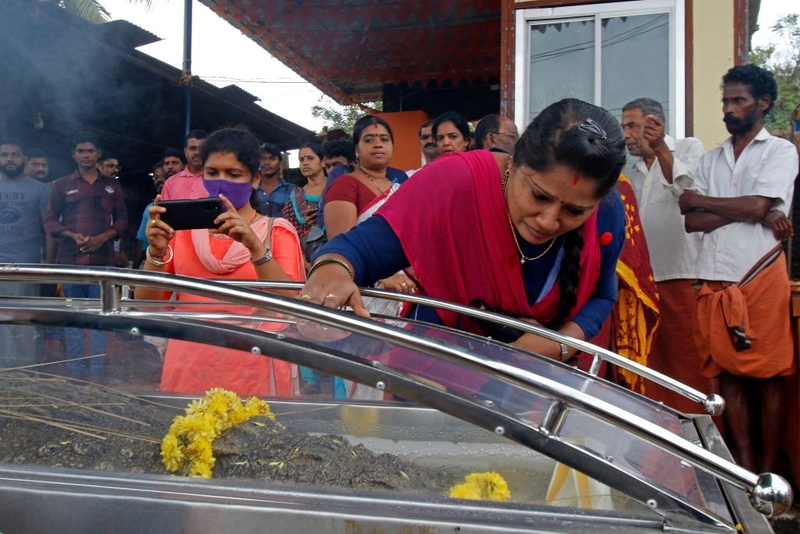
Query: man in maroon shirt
[86,213]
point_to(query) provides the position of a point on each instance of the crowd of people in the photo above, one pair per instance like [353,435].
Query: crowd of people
[538,225]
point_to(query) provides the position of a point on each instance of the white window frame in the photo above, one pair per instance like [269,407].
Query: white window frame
[526,18]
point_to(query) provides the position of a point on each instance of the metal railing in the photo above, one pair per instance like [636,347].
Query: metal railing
[768,493]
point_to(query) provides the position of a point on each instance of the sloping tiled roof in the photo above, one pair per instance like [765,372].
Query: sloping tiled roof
[350,49]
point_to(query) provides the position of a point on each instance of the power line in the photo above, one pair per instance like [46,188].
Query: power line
[647,26]
[253,80]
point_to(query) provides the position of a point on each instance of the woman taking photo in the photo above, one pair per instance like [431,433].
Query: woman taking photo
[536,237]
[451,132]
[302,208]
[245,245]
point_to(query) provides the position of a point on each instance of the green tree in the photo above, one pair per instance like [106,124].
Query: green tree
[782,58]
[341,117]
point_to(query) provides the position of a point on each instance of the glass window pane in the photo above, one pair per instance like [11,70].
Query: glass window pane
[635,60]
[561,63]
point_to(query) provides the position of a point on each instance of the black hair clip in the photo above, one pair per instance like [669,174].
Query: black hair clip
[591,127]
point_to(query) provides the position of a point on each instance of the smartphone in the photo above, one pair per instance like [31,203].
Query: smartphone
[191,214]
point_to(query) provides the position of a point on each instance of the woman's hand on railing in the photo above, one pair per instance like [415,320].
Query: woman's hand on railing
[330,284]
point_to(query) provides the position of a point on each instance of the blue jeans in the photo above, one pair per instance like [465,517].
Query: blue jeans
[75,341]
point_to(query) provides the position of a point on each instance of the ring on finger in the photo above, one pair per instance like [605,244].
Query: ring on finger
[330,296]
[305,297]
[152,221]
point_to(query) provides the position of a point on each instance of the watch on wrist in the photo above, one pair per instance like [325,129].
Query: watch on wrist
[263,259]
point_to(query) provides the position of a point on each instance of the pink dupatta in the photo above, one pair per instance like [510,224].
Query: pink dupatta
[237,253]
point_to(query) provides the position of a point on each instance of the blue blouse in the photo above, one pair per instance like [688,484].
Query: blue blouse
[375,252]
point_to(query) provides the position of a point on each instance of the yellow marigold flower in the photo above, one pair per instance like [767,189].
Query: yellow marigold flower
[194,407]
[218,405]
[200,470]
[204,426]
[172,453]
[465,491]
[201,450]
[190,437]
[489,486]
[238,416]
[256,406]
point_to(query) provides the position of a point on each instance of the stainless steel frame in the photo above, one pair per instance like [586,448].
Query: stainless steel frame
[768,493]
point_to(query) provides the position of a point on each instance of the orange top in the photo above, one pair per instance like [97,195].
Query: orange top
[195,368]
[285,247]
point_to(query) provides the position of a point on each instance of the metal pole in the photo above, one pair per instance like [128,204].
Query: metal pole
[186,71]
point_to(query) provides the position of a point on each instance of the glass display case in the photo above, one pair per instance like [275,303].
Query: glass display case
[440,431]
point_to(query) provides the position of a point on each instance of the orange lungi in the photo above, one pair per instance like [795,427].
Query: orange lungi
[674,351]
[756,308]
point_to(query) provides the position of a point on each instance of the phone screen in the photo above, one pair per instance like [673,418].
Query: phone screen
[191,214]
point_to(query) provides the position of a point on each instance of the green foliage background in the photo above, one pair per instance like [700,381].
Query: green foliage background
[782,57]
[341,117]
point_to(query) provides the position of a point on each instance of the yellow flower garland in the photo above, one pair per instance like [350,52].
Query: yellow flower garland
[187,445]
[489,486]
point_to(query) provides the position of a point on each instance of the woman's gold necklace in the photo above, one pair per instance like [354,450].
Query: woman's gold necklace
[522,257]
[372,179]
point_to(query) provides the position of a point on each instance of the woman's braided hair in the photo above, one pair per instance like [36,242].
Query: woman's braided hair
[589,140]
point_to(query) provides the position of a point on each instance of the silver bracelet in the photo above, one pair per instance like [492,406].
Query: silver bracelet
[263,259]
[564,352]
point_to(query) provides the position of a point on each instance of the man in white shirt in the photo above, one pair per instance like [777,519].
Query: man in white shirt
[743,191]
[427,145]
[660,168]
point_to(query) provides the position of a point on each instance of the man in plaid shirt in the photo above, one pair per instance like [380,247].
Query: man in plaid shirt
[86,214]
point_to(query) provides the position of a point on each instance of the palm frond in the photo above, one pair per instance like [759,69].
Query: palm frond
[90,10]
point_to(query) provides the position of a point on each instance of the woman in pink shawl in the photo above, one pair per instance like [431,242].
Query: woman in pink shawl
[244,246]
[536,237]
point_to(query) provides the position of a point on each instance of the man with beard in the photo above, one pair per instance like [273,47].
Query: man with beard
[108,164]
[188,183]
[87,213]
[427,144]
[742,194]
[23,203]
[159,176]
[173,162]
[37,165]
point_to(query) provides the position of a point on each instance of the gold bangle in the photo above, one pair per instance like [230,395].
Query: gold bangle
[326,261]
[158,263]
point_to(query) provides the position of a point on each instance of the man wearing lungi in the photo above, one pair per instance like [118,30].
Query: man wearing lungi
[742,194]
[660,169]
